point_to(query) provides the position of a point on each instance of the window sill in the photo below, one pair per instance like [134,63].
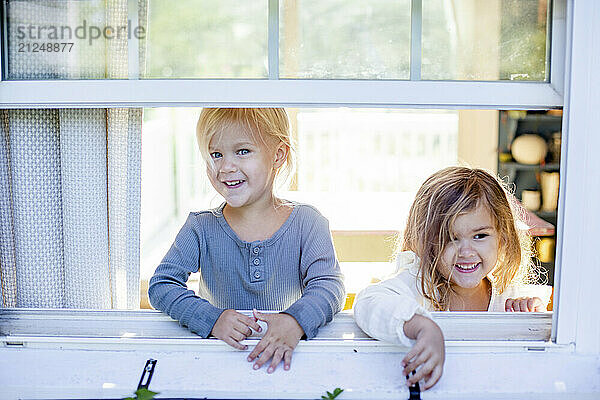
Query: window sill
[100,354]
[150,324]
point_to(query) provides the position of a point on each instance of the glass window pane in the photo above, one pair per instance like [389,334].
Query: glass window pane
[344,40]
[92,39]
[485,40]
[207,39]
[95,39]
[60,39]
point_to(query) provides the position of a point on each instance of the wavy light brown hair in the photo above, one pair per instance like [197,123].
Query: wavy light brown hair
[444,196]
[267,126]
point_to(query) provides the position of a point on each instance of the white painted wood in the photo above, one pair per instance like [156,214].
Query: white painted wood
[301,93]
[2,41]
[199,345]
[99,354]
[416,38]
[568,326]
[133,44]
[106,362]
[273,46]
[363,372]
[578,314]
[558,45]
[457,326]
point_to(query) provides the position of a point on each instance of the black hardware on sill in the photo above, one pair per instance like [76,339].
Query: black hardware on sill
[414,390]
[149,368]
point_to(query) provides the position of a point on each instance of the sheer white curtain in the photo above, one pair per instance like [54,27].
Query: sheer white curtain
[70,178]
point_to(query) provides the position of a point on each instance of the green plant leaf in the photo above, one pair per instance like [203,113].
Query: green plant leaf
[331,396]
[145,394]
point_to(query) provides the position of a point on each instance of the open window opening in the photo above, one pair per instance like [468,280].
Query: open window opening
[361,168]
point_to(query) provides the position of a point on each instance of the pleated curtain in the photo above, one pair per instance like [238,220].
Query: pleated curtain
[70,178]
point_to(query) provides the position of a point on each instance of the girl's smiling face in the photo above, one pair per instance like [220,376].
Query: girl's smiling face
[473,253]
[242,170]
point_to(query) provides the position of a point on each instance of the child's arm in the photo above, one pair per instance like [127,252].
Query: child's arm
[324,293]
[382,309]
[428,351]
[389,311]
[168,291]
[322,296]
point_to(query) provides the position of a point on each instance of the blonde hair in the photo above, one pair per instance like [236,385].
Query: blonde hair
[440,200]
[264,125]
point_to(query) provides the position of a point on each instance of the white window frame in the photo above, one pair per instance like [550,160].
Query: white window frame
[576,316]
[302,92]
[22,324]
[279,93]
[274,91]
[573,84]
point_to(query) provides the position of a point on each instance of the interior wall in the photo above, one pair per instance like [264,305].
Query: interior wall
[478,139]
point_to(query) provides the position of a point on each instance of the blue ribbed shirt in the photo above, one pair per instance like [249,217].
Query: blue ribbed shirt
[294,271]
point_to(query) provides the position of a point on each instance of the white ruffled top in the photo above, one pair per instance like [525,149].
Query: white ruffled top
[381,309]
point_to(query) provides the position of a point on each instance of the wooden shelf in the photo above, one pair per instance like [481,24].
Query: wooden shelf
[546,214]
[540,118]
[530,167]
[526,176]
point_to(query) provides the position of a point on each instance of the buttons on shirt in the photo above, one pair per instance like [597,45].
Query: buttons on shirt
[257,273]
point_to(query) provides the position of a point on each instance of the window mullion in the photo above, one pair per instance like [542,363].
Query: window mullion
[416,31]
[273,39]
[133,46]
[557,46]
[3,43]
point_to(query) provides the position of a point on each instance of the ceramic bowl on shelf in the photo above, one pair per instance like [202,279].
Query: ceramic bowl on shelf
[529,149]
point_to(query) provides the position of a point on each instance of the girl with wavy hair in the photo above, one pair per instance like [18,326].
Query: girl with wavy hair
[464,249]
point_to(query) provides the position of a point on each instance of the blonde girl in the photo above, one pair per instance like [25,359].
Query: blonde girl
[462,250]
[255,251]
